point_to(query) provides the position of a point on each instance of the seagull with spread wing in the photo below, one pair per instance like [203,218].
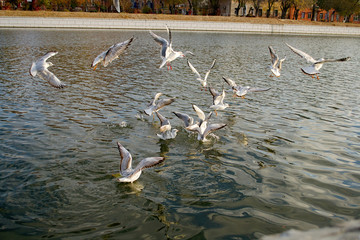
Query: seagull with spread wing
[156,104]
[112,53]
[276,63]
[167,53]
[128,174]
[40,68]
[240,91]
[316,64]
[218,100]
[203,81]
[166,132]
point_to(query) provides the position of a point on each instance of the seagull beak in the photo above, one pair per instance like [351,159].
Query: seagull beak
[95,67]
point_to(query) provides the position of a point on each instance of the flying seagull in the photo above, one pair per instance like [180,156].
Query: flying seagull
[276,62]
[112,53]
[316,64]
[242,91]
[203,81]
[218,100]
[40,68]
[167,53]
[155,105]
[128,174]
[117,5]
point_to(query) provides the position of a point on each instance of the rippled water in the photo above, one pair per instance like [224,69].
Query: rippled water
[58,147]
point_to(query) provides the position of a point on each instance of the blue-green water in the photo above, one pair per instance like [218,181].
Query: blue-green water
[58,147]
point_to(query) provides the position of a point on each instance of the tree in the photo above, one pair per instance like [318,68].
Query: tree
[270,4]
[347,8]
[241,3]
[256,4]
[301,4]
[284,6]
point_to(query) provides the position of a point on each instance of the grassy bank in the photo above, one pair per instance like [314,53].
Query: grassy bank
[257,20]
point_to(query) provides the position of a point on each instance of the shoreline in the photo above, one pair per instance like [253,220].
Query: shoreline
[86,20]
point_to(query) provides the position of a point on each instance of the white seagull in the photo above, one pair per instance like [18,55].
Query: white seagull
[316,64]
[202,127]
[156,105]
[40,68]
[112,53]
[218,100]
[167,53]
[203,81]
[242,91]
[117,5]
[276,63]
[128,174]
[165,129]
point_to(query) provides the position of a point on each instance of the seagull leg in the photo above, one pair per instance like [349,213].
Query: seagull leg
[317,77]
[243,96]
[215,112]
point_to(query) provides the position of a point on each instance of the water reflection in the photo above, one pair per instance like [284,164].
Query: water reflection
[288,158]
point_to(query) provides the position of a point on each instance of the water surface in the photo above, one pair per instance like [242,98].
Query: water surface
[58,147]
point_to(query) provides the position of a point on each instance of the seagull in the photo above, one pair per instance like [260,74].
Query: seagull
[218,100]
[128,174]
[117,5]
[276,63]
[167,53]
[156,105]
[202,127]
[112,53]
[40,68]
[242,91]
[199,78]
[165,129]
[316,64]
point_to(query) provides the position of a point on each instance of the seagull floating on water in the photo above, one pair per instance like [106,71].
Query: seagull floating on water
[112,53]
[167,53]
[316,64]
[40,68]
[242,91]
[218,100]
[128,174]
[156,105]
[203,81]
[165,129]
[276,62]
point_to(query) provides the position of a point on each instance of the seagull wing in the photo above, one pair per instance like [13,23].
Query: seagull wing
[99,58]
[280,62]
[126,159]
[302,54]
[333,60]
[213,127]
[162,42]
[258,89]
[50,78]
[117,49]
[164,102]
[117,5]
[230,82]
[169,34]
[47,55]
[165,123]
[274,56]
[148,163]
[199,112]
[193,69]
[211,67]
[185,118]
